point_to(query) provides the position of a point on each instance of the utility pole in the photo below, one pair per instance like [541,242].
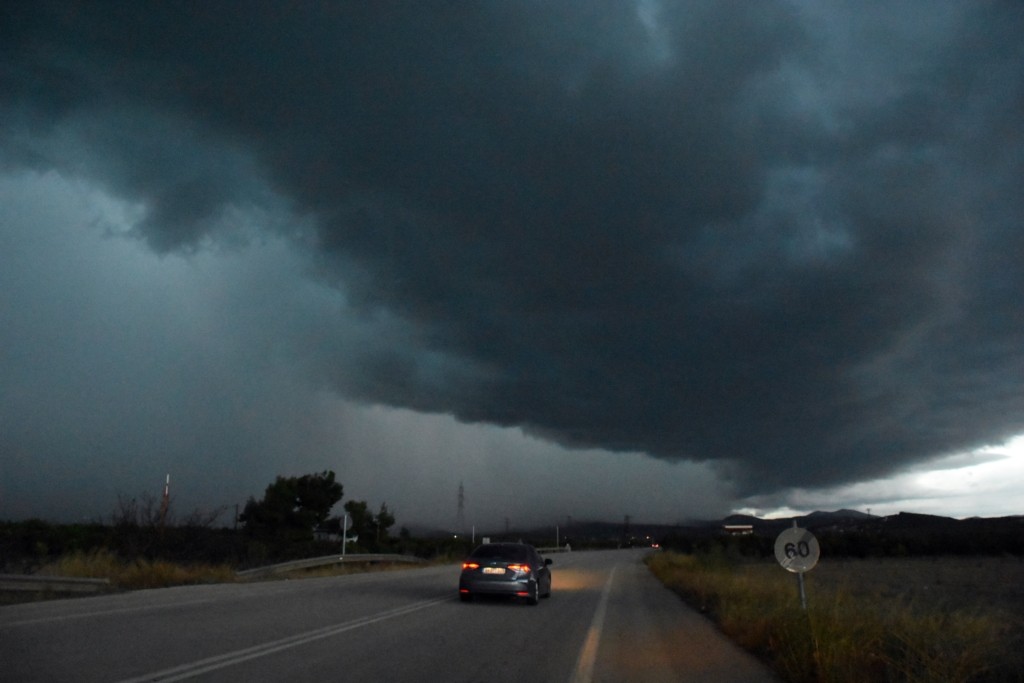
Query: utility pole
[165,503]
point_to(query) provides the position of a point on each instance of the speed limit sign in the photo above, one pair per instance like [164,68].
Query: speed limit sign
[797,550]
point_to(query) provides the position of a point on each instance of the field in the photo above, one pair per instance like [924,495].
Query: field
[988,583]
[917,619]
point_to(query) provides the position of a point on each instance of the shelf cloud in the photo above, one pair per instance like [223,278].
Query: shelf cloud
[781,238]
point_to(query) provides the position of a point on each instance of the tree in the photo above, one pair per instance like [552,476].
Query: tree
[142,511]
[385,520]
[372,530]
[293,505]
[362,519]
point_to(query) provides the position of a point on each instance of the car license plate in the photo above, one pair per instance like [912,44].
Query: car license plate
[494,570]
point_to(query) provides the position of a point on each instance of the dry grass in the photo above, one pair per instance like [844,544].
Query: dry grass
[921,621]
[136,574]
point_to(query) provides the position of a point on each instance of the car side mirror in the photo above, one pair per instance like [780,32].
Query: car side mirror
[547,560]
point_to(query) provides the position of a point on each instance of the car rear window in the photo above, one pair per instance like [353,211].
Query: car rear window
[515,553]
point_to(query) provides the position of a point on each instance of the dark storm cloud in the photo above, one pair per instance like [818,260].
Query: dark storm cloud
[766,234]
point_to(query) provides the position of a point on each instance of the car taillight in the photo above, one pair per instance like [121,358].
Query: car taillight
[524,568]
[470,565]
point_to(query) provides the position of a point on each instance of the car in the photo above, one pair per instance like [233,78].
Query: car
[510,569]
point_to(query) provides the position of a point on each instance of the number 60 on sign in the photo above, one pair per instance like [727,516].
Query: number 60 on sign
[797,550]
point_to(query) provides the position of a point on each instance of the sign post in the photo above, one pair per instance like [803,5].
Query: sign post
[797,551]
[346,524]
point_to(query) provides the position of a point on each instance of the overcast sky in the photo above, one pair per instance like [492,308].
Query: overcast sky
[591,259]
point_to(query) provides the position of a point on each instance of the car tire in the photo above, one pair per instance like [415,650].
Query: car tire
[534,596]
[465,597]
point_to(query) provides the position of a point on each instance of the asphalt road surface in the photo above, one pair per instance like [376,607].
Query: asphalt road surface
[608,620]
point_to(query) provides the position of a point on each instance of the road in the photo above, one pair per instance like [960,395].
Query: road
[608,620]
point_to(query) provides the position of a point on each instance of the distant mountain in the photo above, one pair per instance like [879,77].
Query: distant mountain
[815,520]
[843,522]
[843,514]
[914,520]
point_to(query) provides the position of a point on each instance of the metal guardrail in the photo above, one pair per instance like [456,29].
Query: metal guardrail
[66,584]
[326,560]
[54,584]
[555,549]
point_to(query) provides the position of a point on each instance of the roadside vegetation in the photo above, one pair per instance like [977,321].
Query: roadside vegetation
[145,545]
[135,574]
[920,620]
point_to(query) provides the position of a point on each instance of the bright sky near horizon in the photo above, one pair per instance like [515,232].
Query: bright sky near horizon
[664,260]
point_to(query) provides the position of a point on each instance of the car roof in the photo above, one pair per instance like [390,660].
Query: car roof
[503,550]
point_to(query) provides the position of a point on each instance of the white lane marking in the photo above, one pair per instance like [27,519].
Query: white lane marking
[584,672]
[202,666]
[101,613]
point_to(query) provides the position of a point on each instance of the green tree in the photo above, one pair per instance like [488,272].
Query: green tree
[293,506]
[362,520]
[385,520]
